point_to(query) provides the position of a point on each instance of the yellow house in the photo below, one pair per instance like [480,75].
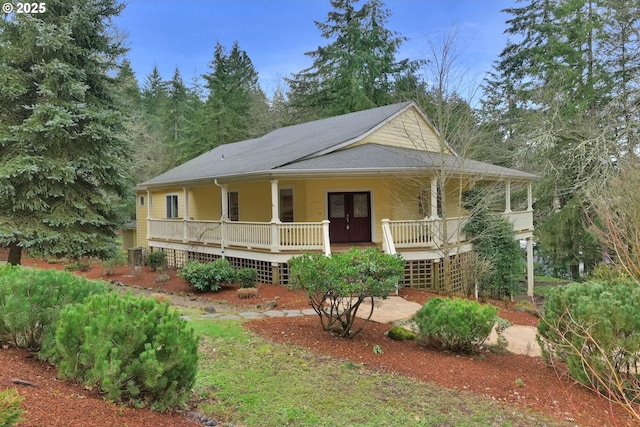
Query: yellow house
[380,177]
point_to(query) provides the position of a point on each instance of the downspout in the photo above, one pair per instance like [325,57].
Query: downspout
[222,219]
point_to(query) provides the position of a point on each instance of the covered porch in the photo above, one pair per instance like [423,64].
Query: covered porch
[274,242]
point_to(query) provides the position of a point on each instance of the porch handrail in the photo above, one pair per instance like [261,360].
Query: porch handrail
[276,236]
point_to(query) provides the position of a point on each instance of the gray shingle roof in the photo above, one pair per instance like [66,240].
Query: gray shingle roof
[277,148]
[300,147]
[381,157]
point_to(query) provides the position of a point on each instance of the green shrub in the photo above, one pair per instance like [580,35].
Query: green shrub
[30,300]
[494,241]
[247,277]
[79,266]
[337,285]
[209,276]
[593,328]
[109,266]
[10,407]
[456,325]
[131,348]
[399,333]
[157,260]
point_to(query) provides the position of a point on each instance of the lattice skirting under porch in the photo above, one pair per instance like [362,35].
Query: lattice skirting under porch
[425,274]
[429,274]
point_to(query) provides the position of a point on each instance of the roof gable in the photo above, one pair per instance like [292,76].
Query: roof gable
[409,129]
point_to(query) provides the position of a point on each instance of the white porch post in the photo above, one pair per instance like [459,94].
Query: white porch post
[529,197]
[275,201]
[275,216]
[224,202]
[325,237]
[185,218]
[530,266]
[224,216]
[507,197]
[434,197]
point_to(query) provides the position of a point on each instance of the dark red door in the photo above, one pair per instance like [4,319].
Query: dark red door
[350,217]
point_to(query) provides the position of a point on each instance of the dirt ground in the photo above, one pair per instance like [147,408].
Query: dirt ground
[540,388]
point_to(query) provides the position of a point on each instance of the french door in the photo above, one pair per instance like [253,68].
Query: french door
[350,217]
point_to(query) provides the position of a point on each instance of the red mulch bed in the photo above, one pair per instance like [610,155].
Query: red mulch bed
[58,403]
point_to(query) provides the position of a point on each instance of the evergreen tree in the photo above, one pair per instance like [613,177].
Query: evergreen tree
[563,94]
[62,155]
[357,70]
[236,107]
[154,92]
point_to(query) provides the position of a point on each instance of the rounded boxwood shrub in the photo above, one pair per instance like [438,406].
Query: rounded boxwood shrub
[30,300]
[593,328]
[247,277]
[156,260]
[208,276]
[456,324]
[131,348]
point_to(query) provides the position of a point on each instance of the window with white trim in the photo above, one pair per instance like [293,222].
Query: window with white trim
[172,206]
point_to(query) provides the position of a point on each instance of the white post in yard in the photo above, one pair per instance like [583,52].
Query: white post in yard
[434,197]
[530,266]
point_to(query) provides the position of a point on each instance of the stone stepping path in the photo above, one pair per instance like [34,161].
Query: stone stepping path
[251,315]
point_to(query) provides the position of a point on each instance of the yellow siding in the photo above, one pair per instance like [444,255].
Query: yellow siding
[408,130]
[205,202]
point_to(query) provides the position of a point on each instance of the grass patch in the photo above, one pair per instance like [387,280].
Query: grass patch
[247,380]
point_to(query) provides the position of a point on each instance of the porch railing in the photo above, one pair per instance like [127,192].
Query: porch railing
[426,233]
[430,233]
[522,220]
[314,236]
[294,236]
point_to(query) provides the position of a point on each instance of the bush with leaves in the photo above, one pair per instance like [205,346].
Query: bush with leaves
[131,348]
[593,328]
[456,324]
[247,277]
[10,407]
[208,276]
[494,240]
[31,299]
[157,260]
[110,265]
[339,284]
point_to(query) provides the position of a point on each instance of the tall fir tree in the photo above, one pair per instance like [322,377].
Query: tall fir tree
[63,159]
[561,93]
[236,107]
[356,70]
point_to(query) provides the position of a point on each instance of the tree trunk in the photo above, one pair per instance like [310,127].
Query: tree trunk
[15,254]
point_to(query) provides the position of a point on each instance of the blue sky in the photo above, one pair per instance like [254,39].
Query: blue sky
[276,33]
